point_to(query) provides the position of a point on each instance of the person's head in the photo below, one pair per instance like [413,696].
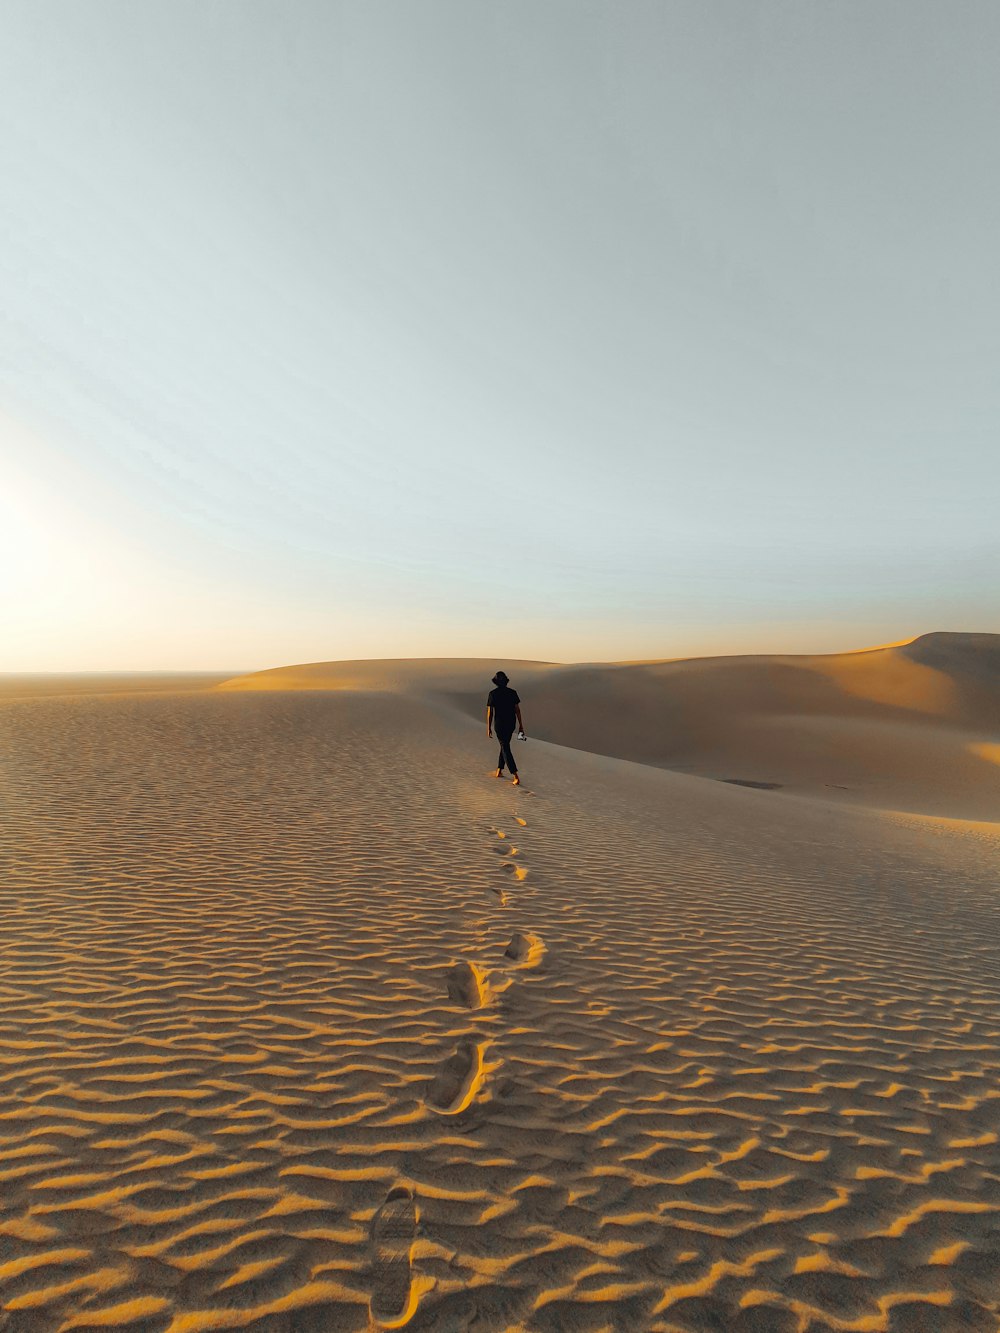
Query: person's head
[501,678]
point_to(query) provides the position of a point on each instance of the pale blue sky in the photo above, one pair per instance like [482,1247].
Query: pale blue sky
[562,330]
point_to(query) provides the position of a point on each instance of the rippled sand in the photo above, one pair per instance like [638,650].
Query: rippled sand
[308,1023]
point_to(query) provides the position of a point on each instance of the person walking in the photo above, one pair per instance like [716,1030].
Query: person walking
[503,711]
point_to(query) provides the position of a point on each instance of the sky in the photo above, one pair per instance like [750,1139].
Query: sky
[546,329]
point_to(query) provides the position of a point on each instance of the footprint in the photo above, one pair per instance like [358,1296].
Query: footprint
[467,985]
[393,1299]
[459,1078]
[502,895]
[506,850]
[522,822]
[519,872]
[525,949]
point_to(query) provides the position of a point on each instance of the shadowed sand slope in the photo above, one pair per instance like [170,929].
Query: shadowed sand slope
[306,1023]
[912,727]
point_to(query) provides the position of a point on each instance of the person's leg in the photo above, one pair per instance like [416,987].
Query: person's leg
[500,760]
[506,752]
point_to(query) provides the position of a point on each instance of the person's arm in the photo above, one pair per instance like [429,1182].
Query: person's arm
[489,719]
[520,724]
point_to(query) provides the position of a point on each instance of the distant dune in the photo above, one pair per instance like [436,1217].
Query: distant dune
[38,684]
[912,727]
[402,675]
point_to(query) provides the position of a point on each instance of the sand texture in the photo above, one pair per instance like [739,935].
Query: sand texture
[309,1023]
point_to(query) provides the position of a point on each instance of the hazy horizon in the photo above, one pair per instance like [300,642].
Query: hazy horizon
[498,658]
[574,332]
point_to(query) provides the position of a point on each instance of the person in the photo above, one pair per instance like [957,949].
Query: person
[503,711]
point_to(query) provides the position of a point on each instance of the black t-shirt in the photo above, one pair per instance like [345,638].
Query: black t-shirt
[504,701]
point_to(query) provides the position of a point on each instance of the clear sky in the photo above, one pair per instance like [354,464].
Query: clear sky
[541,328]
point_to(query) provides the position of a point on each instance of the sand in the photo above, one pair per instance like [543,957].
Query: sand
[32,685]
[308,1023]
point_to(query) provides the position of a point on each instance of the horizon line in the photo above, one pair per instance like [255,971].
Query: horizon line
[590,661]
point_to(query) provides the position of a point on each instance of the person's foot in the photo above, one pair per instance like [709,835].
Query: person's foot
[498,773]
[517,781]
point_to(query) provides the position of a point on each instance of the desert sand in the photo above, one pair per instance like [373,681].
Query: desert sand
[307,1022]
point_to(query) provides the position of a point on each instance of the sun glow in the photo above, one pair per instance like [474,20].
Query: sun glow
[59,571]
[43,554]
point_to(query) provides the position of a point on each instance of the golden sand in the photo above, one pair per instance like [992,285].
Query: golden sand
[307,1023]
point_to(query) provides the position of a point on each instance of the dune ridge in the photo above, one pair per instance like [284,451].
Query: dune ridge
[308,1023]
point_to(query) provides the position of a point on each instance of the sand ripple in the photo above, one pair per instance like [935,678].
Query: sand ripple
[275,1053]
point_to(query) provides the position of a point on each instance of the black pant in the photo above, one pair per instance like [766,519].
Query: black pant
[506,756]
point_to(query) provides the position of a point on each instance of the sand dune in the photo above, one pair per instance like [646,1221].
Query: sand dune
[912,727]
[307,1023]
[422,675]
